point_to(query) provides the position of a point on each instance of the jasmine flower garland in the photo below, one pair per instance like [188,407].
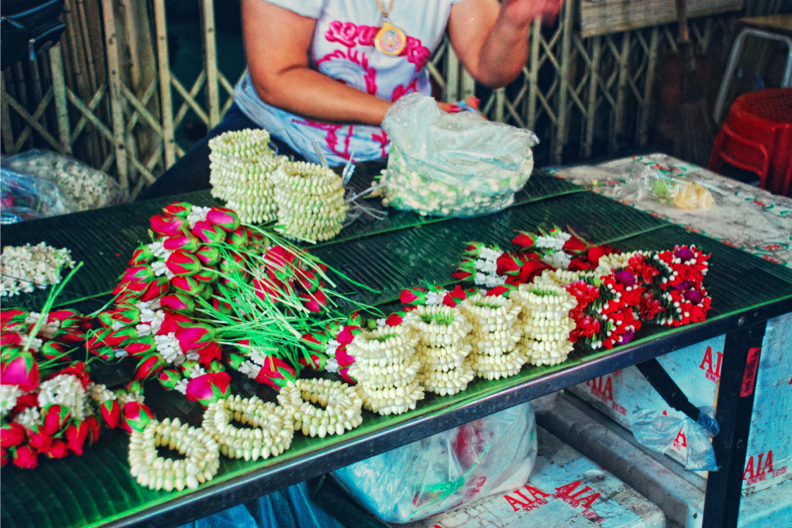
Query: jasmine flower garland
[25,268]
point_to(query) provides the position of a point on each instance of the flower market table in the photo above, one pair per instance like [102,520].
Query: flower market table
[96,489]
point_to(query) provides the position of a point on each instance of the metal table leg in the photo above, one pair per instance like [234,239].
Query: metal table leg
[741,353]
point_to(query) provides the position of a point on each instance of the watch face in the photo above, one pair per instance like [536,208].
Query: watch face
[390,40]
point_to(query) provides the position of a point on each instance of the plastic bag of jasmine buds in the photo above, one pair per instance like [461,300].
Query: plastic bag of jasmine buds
[445,471]
[85,187]
[452,164]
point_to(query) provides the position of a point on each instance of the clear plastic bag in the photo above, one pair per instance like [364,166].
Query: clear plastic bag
[665,189]
[452,164]
[658,431]
[447,470]
[85,187]
[26,197]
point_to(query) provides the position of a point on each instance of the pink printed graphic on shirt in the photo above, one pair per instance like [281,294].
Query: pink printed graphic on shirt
[354,67]
[331,136]
[416,53]
[349,34]
[383,141]
[401,90]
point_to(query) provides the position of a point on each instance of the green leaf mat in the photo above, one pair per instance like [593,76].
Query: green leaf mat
[97,488]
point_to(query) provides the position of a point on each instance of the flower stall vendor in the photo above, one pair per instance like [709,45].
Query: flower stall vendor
[322,74]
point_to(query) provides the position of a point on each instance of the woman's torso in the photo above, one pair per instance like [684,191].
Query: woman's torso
[343,48]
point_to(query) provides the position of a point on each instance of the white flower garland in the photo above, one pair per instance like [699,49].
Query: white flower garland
[443,331]
[25,268]
[545,322]
[310,201]
[66,390]
[270,433]
[155,472]
[386,368]
[494,337]
[338,409]
[8,398]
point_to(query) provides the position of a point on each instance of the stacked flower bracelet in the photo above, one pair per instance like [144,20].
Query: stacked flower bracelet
[269,433]
[321,407]
[545,322]
[310,201]
[443,348]
[155,472]
[386,368]
[495,336]
[241,167]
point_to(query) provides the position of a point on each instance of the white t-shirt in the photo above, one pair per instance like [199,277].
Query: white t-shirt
[343,48]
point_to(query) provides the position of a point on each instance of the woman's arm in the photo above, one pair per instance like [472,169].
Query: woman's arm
[491,38]
[277,46]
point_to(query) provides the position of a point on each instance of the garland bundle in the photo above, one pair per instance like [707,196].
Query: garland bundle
[310,201]
[545,322]
[386,367]
[495,335]
[241,168]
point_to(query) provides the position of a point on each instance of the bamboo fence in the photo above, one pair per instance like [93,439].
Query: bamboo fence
[107,95]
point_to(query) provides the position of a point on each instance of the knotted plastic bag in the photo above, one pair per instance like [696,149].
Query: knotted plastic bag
[658,431]
[452,164]
[446,470]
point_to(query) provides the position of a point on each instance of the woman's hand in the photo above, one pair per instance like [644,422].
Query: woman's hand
[491,38]
[452,108]
[277,46]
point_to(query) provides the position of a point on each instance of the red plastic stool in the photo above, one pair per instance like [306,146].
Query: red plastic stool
[757,137]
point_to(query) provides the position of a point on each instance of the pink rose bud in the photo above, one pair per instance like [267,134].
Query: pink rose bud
[10,338]
[11,434]
[76,433]
[55,417]
[238,238]
[187,285]
[155,289]
[178,303]
[184,242]
[394,319]
[138,274]
[225,218]
[21,370]
[25,457]
[412,297]
[40,440]
[182,263]
[121,337]
[212,351]
[141,346]
[221,306]
[12,318]
[54,350]
[524,239]
[111,413]
[168,225]
[149,366]
[205,275]
[275,372]
[63,315]
[208,233]
[315,301]
[209,388]
[58,449]
[195,336]
[208,255]
[136,417]
[169,378]
[180,209]
[174,322]
[94,428]
[141,256]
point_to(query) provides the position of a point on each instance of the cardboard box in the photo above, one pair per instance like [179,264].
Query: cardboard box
[696,369]
[679,493]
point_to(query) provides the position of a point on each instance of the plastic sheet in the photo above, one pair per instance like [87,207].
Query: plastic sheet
[651,183]
[658,432]
[288,508]
[447,470]
[25,197]
[85,188]
[452,164]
